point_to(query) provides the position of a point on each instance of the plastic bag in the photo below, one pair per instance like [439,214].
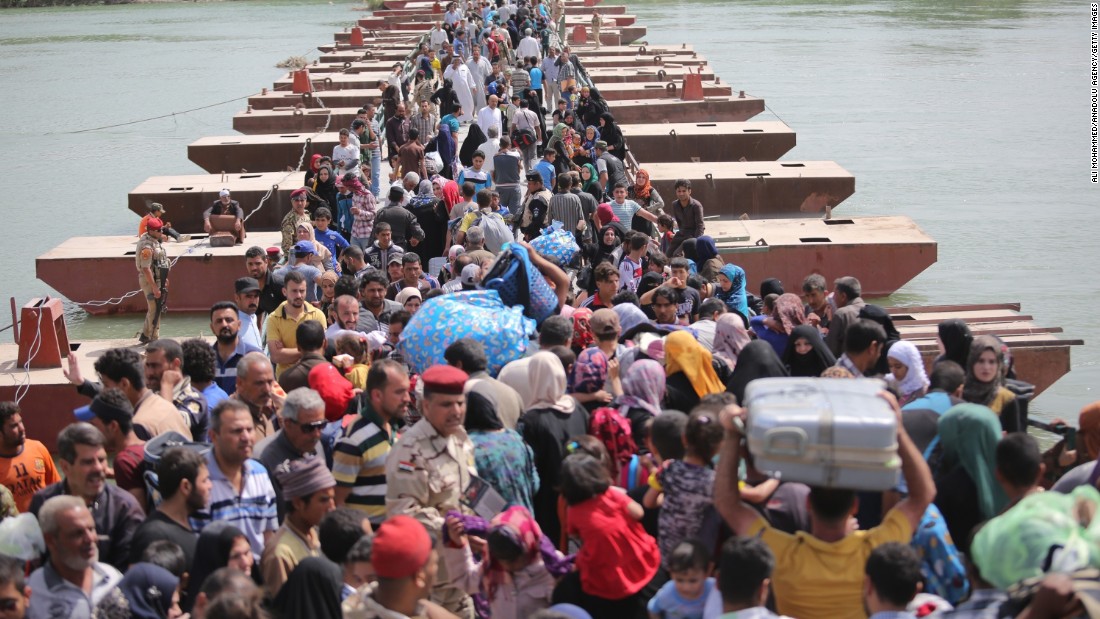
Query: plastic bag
[477,314]
[556,245]
[1044,533]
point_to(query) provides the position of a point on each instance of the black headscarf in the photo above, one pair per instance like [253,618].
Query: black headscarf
[648,282]
[474,138]
[148,589]
[756,360]
[690,250]
[770,286]
[812,363]
[877,314]
[311,592]
[481,413]
[211,553]
[956,338]
[611,134]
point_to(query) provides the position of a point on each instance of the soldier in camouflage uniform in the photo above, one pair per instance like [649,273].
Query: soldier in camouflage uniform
[299,198]
[429,468]
[152,267]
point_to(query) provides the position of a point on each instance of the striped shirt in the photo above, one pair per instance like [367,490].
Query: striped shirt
[252,511]
[359,463]
[566,208]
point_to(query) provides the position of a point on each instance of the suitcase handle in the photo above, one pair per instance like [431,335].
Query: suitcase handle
[797,436]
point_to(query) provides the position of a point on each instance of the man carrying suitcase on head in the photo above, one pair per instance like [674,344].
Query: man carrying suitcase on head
[819,574]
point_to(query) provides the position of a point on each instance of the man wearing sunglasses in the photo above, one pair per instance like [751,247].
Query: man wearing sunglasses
[302,419]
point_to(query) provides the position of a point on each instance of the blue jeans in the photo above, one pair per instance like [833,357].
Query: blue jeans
[361,242]
[375,171]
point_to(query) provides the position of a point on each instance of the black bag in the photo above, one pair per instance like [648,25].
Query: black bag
[523,138]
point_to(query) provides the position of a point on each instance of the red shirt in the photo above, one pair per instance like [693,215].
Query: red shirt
[130,467]
[617,557]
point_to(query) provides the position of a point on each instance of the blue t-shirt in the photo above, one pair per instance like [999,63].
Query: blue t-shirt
[546,169]
[777,340]
[334,241]
[536,78]
[214,395]
[669,605]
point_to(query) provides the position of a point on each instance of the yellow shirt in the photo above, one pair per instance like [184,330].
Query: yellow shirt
[285,329]
[286,549]
[814,579]
[357,376]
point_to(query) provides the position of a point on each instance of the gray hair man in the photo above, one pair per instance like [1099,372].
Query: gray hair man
[61,586]
[82,454]
[302,420]
[256,388]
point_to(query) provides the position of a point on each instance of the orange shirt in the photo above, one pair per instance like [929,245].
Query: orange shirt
[27,473]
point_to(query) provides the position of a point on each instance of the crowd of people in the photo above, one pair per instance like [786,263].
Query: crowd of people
[303,465]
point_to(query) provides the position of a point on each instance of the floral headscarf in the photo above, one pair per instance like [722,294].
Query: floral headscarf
[517,524]
[730,336]
[788,311]
[643,387]
[589,371]
[582,332]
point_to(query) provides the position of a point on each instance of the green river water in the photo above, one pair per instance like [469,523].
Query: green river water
[970,117]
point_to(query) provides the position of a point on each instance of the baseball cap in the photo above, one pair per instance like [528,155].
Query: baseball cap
[534,175]
[604,321]
[106,411]
[223,193]
[395,259]
[304,247]
[470,273]
[246,284]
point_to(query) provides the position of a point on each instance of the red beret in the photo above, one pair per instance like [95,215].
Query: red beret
[154,223]
[274,251]
[301,191]
[401,548]
[444,379]
[335,390]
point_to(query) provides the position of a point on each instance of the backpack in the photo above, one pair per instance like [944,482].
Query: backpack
[154,448]
[614,432]
[497,233]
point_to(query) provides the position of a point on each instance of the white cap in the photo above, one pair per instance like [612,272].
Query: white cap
[223,193]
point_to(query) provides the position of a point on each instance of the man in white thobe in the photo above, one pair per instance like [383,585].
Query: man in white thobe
[464,87]
[480,68]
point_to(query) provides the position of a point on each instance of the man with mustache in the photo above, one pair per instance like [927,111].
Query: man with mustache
[247,296]
[73,582]
[271,285]
[229,348]
[115,512]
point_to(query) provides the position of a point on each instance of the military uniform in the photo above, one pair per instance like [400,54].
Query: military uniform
[425,476]
[150,254]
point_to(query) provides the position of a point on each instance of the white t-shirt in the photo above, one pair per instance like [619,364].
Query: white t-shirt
[343,154]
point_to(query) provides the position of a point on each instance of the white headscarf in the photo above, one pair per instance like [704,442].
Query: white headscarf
[547,379]
[915,379]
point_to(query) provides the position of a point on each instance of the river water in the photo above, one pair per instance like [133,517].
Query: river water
[970,117]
